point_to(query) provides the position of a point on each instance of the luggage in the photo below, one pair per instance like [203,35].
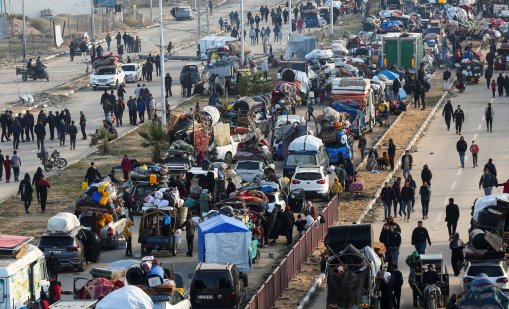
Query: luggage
[357,186]
[63,222]
[329,137]
[96,196]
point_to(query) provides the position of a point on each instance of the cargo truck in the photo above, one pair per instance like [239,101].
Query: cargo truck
[402,50]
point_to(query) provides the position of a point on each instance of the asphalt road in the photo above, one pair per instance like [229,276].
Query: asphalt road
[437,148]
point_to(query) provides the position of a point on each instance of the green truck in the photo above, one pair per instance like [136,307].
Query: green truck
[403,51]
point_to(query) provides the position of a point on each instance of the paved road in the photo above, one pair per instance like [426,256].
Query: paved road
[438,149]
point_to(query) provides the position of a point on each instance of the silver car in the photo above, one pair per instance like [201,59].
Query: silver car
[184,12]
[132,72]
[67,248]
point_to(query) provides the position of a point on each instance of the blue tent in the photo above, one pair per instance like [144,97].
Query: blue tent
[222,239]
[389,74]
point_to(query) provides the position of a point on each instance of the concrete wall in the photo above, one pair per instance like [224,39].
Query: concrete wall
[33,8]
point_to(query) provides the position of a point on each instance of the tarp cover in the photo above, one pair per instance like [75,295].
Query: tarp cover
[319,54]
[299,45]
[306,143]
[63,222]
[488,201]
[223,239]
[389,74]
[129,296]
[213,112]
[483,294]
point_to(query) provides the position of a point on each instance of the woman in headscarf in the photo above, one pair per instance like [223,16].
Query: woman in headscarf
[25,191]
[387,297]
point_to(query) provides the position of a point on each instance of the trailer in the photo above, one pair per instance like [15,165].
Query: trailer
[402,50]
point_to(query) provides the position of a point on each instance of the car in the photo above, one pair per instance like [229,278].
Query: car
[249,169]
[496,271]
[132,72]
[218,286]
[107,77]
[312,179]
[275,198]
[67,248]
[225,153]
[313,20]
[184,13]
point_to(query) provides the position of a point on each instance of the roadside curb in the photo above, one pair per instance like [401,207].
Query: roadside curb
[414,140]
[314,288]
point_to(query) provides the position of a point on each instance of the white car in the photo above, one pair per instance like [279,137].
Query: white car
[107,77]
[275,198]
[497,272]
[132,72]
[312,179]
[247,170]
[227,152]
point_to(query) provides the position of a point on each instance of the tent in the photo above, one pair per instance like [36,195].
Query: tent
[389,74]
[223,239]
[129,296]
[299,45]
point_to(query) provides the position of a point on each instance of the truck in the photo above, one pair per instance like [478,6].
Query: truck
[353,265]
[226,152]
[402,50]
[210,42]
[22,272]
[110,233]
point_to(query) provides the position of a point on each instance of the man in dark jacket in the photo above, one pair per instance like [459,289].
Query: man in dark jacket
[491,167]
[40,132]
[28,124]
[446,77]
[384,233]
[452,215]
[461,147]
[407,195]
[392,153]
[42,117]
[425,193]
[406,163]
[396,85]
[288,223]
[397,283]
[167,84]
[73,131]
[457,256]
[393,243]
[387,195]
[52,121]
[487,182]
[131,106]
[92,174]
[419,238]
[426,175]
[149,67]
[4,122]
[447,113]
[500,84]
[458,118]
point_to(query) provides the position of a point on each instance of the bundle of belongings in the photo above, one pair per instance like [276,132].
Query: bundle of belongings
[254,145]
[63,222]
[102,193]
[164,198]
[98,288]
[113,60]
[142,173]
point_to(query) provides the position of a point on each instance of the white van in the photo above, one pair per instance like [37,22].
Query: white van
[22,275]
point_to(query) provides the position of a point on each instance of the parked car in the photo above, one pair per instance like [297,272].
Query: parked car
[184,13]
[132,72]
[107,77]
[249,169]
[227,152]
[313,20]
[217,286]
[110,233]
[305,150]
[312,179]
[68,248]
[496,271]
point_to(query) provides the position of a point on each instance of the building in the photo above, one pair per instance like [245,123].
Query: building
[33,8]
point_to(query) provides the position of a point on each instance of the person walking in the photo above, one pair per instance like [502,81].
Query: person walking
[386,293]
[447,114]
[73,131]
[500,84]
[392,153]
[387,196]
[126,167]
[2,159]
[168,80]
[35,182]
[393,243]
[452,215]
[406,164]
[51,120]
[488,114]
[426,175]
[108,41]
[474,149]
[493,88]
[447,78]
[396,189]
[8,167]
[157,62]
[419,238]
[25,192]
[425,193]
[16,164]
[397,283]
[487,182]
[491,167]
[458,118]
[118,110]
[362,145]
[407,195]
[190,230]
[488,74]
[288,223]
[457,256]
[62,130]
[72,50]
[310,113]
[83,126]
[141,109]
[461,147]
[43,185]
[128,234]
[53,265]
[149,67]
[16,130]
[40,133]
[92,174]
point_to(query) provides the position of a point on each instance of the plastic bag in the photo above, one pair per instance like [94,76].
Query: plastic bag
[167,220]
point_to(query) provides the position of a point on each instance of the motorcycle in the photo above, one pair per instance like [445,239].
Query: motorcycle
[49,161]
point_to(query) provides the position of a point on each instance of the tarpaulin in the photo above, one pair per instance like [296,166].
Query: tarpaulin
[106,3]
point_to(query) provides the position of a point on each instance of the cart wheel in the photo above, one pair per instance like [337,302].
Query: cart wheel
[82,266]
[24,77]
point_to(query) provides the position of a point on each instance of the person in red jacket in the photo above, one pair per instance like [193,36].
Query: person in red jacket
[474,149]
[54,290]
[506,186]
[493,87]
[126,167]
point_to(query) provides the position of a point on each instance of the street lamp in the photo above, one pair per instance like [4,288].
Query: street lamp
[242,54]
[161,65]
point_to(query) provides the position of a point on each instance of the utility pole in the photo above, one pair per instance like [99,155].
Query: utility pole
[331,17]
[161,71]
[92,24]
[290,14]
[242,54]
[24,31]
[151,16]
[207,9]
[198,11]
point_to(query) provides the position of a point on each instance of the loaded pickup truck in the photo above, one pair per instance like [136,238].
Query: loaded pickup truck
[110,233]
[225,153]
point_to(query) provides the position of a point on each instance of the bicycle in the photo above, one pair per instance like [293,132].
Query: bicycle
[172,53]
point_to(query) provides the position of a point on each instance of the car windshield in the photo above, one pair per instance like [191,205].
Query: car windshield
[300,159]
[56,241]
[308,176]
[489,270]
[129,67]
[213,280]
[106,71]
[248,165]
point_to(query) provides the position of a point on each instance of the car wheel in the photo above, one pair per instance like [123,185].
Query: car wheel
[82,266]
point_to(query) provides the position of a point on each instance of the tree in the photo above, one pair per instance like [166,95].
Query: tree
[104,137]
[156,137]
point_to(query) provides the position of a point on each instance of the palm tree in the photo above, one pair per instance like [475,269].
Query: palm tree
[156,137]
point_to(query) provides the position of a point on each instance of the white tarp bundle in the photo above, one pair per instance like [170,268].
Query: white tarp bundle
[63,222]
[339,47]
[128,297]
[213,112]
[304,81]
[373,258]
[319,54]
[305,143]
[456,13]
[487,201]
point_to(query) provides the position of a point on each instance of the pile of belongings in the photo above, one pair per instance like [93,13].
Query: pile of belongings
[164,198]
[253,145]
[471,68]
[483,293]
[323,54]
[107,60]
[180,145]
[391,26]
[143,172]
[98,288]
[263,186]
[63,222]
[129,296]
[102,193]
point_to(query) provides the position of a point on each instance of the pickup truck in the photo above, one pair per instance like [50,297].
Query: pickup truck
[107,77]
[110,233]
[227,152]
